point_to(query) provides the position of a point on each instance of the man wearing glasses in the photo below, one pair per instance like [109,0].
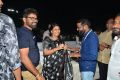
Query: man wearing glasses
[29,52]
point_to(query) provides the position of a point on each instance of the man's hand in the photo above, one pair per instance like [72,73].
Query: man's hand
[40,77]
[75,55]
[103,46]
[17,73]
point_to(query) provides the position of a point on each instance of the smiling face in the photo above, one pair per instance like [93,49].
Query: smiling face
[31,21]
[55,31]
[116,28]
[80,28]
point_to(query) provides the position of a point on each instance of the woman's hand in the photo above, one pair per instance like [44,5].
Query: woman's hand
[61,46]
[65,47]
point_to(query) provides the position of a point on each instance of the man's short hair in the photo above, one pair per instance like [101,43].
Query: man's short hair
[84,22]
[29,11]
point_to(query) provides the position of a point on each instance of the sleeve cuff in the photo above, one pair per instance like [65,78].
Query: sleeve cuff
[16,66]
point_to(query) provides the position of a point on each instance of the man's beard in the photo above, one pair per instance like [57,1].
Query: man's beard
[33,26]
[81,34]
[116,31]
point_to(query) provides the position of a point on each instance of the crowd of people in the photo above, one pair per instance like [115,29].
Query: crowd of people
[20,57]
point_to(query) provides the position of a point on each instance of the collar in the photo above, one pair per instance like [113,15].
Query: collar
[87,32]
[116,38]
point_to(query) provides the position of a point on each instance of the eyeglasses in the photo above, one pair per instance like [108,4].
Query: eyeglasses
[33,18]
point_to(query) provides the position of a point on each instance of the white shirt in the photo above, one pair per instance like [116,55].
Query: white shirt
[114,64]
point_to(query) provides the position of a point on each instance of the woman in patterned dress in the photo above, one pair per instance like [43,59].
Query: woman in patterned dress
[53,50]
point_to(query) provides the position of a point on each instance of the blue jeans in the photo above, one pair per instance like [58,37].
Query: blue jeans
[87,75]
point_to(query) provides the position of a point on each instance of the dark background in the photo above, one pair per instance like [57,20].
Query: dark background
[66,12]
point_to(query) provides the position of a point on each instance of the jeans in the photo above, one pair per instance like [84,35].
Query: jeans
[87,75]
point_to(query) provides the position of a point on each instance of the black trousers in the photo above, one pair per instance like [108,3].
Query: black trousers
[103,69]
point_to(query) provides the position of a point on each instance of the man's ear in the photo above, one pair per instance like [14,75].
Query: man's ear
[24,19]
[85,26]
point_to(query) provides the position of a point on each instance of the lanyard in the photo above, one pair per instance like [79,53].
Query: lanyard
[87,35]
